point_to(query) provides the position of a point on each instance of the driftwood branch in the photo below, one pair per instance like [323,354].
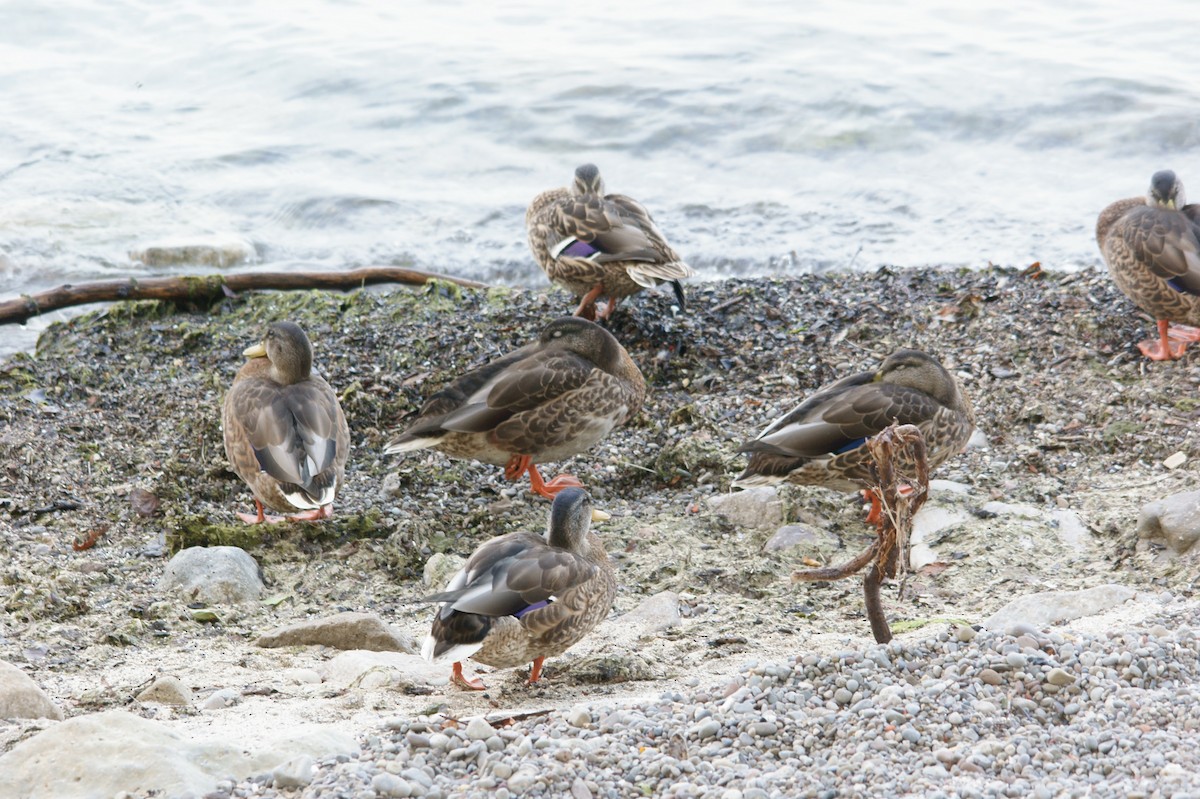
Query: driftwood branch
[209,288]
[900,484]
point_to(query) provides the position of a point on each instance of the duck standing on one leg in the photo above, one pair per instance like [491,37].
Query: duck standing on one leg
[525,597]
[821,441]
[546,401]
[1152,247]
[600,245]
[285,433]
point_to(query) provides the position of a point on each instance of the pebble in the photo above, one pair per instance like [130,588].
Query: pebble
[1056,713]
[478,729]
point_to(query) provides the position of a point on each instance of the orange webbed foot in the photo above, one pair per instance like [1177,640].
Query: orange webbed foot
[323,512]
[587,305]
[550,489]
[1166,347]
[517,465]
[470,683]
[261,517]
[1185,333]
[1162,349]
[875,515]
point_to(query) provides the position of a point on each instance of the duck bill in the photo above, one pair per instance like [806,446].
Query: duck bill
[599,515]
[257,351]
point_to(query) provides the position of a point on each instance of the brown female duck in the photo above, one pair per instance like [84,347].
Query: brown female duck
[285,433]
[524,597]
[546,401]
[821,441]
[1152,247]
[600,245]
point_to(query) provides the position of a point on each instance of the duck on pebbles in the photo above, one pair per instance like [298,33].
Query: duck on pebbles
[525,597]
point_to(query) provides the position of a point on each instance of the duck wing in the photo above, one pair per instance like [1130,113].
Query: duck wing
[1167,243]
[529,383]
[513,575]
[292,429]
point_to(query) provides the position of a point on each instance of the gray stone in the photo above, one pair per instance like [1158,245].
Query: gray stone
[1174,520]
[343,631]
[440,568]
[385,784]
[219,700]
[167,691]
[1071,530]
[217,575]
[758,508]
[217,252]
[805,536]
[116,753]
[656,613]
[294,773]
[1057,676]
[1053,607]
[21,698]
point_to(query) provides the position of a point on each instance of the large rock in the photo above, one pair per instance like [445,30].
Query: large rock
[759,508]
[379,670]
[167,691]
[218,252]
[103,755]
[808,538]
[1174,520]
[1053,607]
[656,613]
[343,631]
[216,575]
[440,568]
[21,698]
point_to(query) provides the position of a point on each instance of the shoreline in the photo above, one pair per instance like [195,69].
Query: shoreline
[1076,427]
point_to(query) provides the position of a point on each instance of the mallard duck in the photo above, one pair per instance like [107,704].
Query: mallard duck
[600,245]
[285,433]
[525,597]
[1152,247]
[546,401]
[821,441]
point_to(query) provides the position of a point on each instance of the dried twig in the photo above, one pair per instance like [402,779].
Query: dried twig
[900,482]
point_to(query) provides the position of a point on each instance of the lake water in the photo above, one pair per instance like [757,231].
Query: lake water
[766,136]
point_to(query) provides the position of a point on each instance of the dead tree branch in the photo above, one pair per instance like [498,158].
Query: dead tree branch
[210,287]
[900,481]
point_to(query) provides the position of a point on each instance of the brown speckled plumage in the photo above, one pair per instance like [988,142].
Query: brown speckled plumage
[522,597]
[1152,247]
[820,441]
[621,250]
[285,434]
[549,400]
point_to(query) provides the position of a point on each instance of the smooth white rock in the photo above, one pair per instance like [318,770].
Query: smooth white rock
[1174,520]
[1053,607]
[1070,529]
[759,508]
[102,755]
[385,668]
[440,568]
[167,690]
[217,575]
[294,773]
[655,613]
[21,698]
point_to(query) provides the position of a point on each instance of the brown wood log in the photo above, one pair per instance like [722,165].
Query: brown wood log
[210,287]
